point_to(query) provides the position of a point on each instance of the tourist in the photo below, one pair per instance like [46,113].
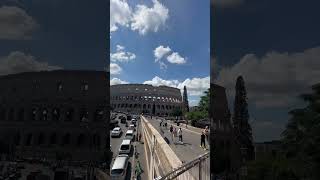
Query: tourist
[180,134]
[171,132]
[203,140]
[175,132]
[206,133]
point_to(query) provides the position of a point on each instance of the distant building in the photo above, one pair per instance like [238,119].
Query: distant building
[55,115]
[143,98]
[193,108]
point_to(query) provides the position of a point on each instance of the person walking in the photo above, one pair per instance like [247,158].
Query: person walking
[206,133]
[180,134]
[203,140]
[171,131]
[175,132]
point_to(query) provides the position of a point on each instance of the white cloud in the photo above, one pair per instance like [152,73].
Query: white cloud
[115,69]
[276,79]
[160,52]
[195,86]
[146,19]
[226,3]
[121,55]
[175,58]
[17,62]
[120,14]
[115,81]
[16,24]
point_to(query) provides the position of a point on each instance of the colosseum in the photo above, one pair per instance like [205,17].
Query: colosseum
[53,114]
[143,98]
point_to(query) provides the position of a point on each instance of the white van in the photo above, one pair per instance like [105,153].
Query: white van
[125,147]
[119,168]
[129,135]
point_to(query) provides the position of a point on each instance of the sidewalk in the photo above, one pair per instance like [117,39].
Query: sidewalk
[141,158]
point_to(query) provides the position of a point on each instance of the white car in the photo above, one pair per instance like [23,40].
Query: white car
[119,168]
[116,132]
[129,135]
[132,127]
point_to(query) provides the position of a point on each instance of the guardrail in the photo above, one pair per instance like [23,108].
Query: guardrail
[161,159]
[199,168]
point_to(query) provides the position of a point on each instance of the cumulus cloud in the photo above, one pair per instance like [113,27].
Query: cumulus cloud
[175,58]
[146,19]
[121,55]
[160,52]
[120,14]
[115,69]
[195,86]
[18,62]
[276,79]
[115,81]
[226,3]
[16,24]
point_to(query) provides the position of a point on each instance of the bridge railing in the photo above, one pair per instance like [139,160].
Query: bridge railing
[199,168]
[161,159]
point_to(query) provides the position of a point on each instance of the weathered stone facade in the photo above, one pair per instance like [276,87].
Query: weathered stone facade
[148,99]
[43,114]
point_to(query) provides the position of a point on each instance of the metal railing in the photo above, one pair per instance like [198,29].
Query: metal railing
[199,168]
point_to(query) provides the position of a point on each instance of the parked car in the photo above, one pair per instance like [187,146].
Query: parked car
[129,135]
[132,127]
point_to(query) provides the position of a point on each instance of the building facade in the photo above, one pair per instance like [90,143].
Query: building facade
[55,114]
[148,99]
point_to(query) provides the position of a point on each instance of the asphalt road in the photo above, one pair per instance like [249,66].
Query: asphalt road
[187,151]
[115,145]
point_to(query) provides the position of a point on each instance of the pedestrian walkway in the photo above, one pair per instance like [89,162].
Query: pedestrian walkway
[189,150]
[139,165]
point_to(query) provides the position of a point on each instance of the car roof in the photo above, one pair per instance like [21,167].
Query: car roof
[116,128]
[120,161]
[126,141]
[130,131]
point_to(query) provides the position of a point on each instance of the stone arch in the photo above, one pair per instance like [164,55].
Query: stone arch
[66,139]
[53,139]
[55,114]
[28,141]
[84,114]
[17,139]
[144,106]
[21,114]
[44,114]
[69,114]
[81,140]
[149,106]
[11,115]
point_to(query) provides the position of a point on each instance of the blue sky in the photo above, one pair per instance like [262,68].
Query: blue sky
[46,35]
[181,30]
[275,46]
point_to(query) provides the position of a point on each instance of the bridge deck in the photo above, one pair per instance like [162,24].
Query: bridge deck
[191,137]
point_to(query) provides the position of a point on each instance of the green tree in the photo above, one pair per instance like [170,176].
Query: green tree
[301,138]
[241,118]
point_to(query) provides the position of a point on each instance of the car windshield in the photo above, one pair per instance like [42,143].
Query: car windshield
[124,147]
[128,135]
[116,171]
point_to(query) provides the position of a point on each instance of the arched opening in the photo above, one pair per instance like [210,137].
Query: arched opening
[17,139]
[11,114]
[53,139]
[66,139]
[21,115]
[98,115]
[84,115]
[69,114]
[41,139]
[144,106]
[81,140]
[28,139]
[44,116]
[34,112]
[55,114]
